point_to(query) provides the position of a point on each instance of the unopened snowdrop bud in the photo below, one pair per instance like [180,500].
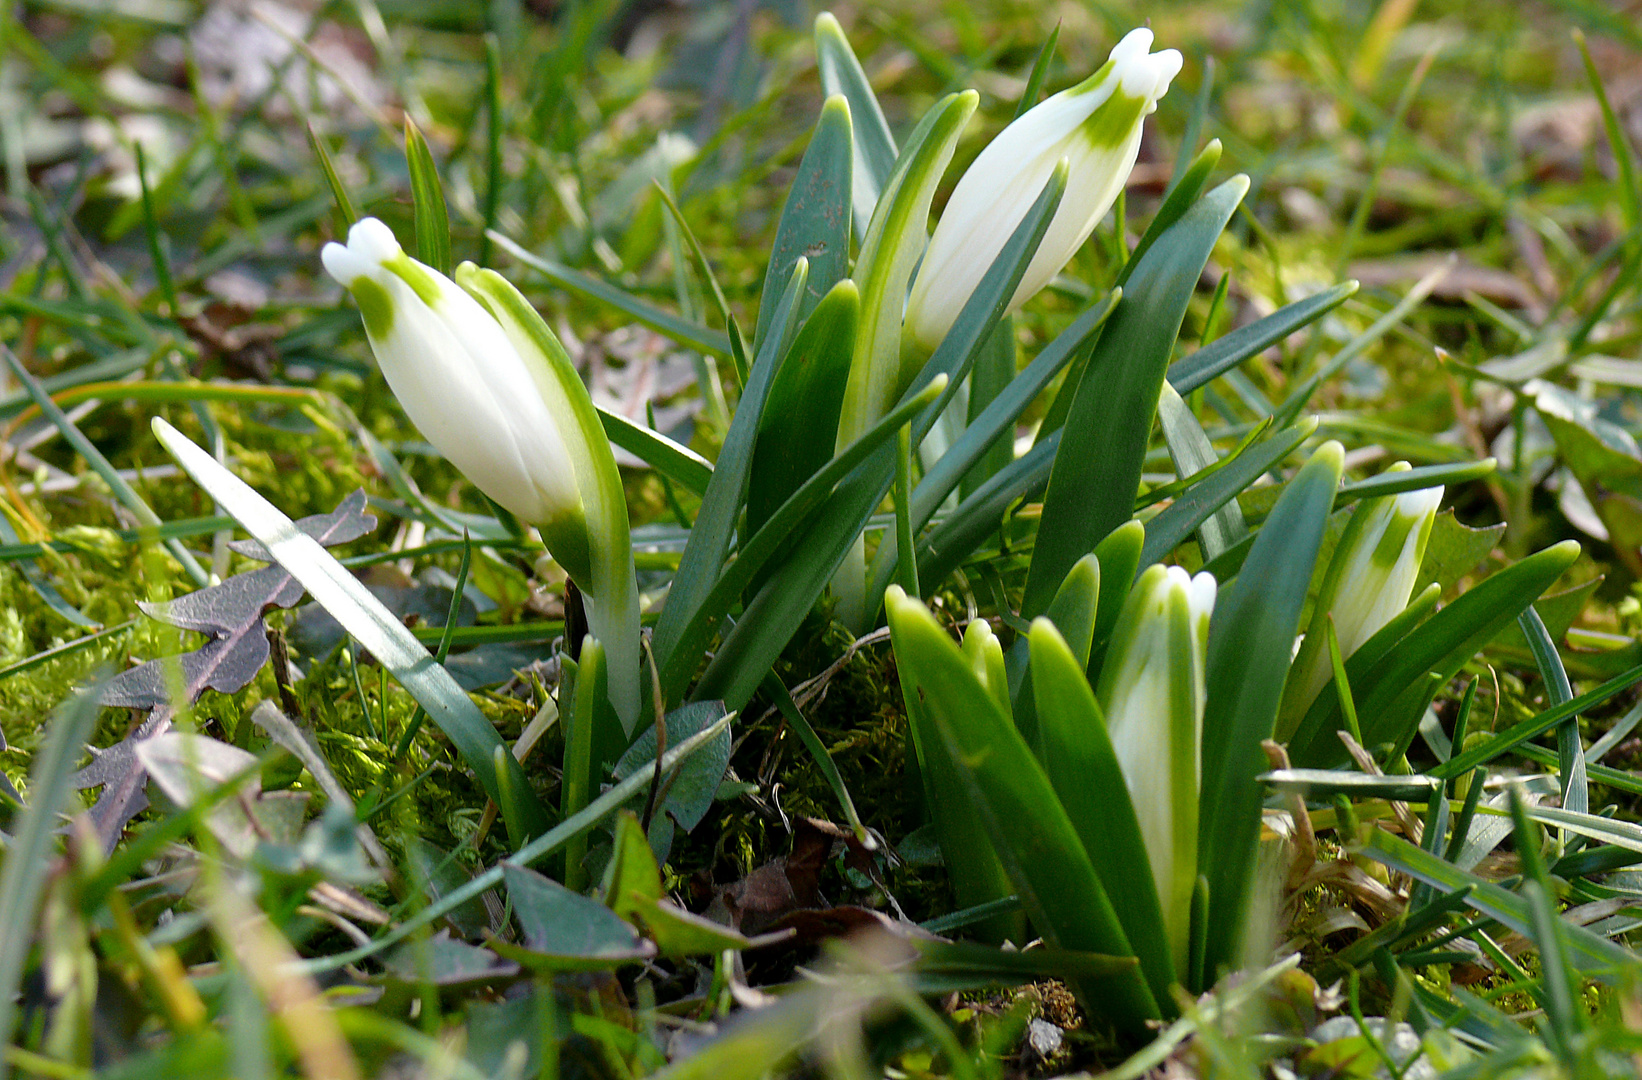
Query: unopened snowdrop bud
[1095,126]
[486,382]
[1151,691]
[1368,583]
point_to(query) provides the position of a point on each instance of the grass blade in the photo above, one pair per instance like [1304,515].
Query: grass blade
[374,626]
[24,874]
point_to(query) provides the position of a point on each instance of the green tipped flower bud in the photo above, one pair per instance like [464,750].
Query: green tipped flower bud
[1152,692]
[1369,580]
[1095,126]
[486,382]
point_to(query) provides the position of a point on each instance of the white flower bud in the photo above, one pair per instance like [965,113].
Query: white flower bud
[1151,692]
[1096,127]
[1368,583]
[486,382]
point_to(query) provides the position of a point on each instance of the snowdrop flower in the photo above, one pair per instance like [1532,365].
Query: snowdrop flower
[1368,583]
[1096,127]
[486,382]
[1151,692]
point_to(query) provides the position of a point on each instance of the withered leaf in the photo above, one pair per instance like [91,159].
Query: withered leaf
[231,614]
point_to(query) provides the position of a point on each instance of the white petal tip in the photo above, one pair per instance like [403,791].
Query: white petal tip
[343,264]
[371,239]
[1142,74]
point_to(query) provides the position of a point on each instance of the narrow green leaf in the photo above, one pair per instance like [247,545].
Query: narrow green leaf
[994,370]
[770,540]
[375,627]
[1075,609]
[1039,72]
[1182,197]
[689,334]
[726,495]
[774,614]
[1176,521]
[799,426]
[956,537]
[581,770]
[1576,795]
[1097,471]
[815,220]
[1251,641]
[1630,188]
[994,427]
[427,201]
[1015,801]
[678,463]
[343,214]
[875,153]
[1192,452]
[1394,482]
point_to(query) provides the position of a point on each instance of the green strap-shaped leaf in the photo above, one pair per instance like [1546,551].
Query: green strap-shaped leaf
[874,156]
[1443,644]
[678,463]
[994,370]
[815,221]
[800,421]
[375,627]
[33,839]
[427,201]
[1192,452]
[689,334]
[1570,751]
[721,506]
[1251,641]
[1182,196]
[1190,508]
[1097,471]
[993,427]
[977,875]
[1083,767]
[768,542]
[774,614]
[1223,354]
[1015,802]
[895,241]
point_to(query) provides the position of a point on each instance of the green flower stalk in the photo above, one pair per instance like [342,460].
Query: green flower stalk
[1095,127]
[1151,692]
[486,382]
[1368,582]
